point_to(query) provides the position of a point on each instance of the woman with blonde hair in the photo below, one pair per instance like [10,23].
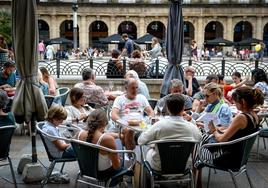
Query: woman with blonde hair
[216,105]
[52,84]
[156,50]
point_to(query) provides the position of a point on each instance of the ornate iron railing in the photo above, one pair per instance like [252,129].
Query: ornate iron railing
[203,68]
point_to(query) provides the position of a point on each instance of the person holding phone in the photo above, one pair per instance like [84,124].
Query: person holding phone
[245,123]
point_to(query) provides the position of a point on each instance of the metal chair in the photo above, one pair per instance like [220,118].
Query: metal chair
[234,158]
[6,133]
[63,94]
[51,159]
[174,154]
[58,99]
[88,156]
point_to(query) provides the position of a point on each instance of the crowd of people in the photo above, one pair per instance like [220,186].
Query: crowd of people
[180,112]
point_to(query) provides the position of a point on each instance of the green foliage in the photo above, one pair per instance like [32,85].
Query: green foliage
[5,25]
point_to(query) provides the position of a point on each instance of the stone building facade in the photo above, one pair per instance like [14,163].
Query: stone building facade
[234,20]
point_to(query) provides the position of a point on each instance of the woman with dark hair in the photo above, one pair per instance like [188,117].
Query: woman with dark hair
[115,67]
[243,124]
[77,112]
[260,80]
[137,63]
[5,118]
[108,163]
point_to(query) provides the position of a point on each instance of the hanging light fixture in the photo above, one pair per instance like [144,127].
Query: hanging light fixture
[69,25]
[127,26]
[39,25]
[214,27]
[98,26]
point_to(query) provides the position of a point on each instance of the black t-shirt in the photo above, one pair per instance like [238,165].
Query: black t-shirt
[195,86]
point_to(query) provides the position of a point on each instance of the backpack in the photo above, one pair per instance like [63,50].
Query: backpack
[136,46]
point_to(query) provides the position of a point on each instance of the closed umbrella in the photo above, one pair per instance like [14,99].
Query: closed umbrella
[174,46]
[29,104]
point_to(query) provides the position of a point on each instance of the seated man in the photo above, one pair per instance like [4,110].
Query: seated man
[8,77]
[172,127]
[131,101]
[93,93]
[176,86]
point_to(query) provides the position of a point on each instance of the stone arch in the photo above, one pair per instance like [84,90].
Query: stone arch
[97,29]
[157,28]
[242,30]
[213,29]
[43,29]
[66,30]
[128,27]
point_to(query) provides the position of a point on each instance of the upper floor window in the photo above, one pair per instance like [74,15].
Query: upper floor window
[214,1]
[186,1]
[98,1]
[126,1]
[244,1]
[155,1]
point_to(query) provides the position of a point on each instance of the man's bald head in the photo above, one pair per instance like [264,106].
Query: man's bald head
[131,86]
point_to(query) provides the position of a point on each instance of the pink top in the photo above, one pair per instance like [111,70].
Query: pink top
[41,47]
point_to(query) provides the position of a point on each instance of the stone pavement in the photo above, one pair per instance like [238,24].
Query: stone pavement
[257,169]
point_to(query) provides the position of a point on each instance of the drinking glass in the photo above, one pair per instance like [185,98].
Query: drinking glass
[160,107]
[111,85]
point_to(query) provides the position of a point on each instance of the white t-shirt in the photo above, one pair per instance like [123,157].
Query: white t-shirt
[126,105]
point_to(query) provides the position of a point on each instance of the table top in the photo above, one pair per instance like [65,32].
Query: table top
[125,124]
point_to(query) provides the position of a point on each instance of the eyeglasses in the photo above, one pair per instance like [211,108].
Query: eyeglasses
[208,95]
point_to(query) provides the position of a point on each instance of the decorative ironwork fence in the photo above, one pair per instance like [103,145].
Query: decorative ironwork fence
[155,68]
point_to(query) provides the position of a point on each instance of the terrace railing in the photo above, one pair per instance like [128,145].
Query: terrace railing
[155,68]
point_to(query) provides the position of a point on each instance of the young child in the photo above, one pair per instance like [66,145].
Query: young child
[58,148]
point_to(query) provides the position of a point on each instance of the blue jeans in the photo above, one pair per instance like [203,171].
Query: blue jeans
[68,153]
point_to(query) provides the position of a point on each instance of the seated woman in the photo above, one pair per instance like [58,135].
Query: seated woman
[216,105]
[173,127]
[5,118]
[137,64]
[260,80]
[52,84]
[115,67]
[77,112]
[109,163]
[42,84]
[58,148]
[245,123]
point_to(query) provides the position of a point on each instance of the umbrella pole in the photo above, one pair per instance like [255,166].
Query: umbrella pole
[33,135]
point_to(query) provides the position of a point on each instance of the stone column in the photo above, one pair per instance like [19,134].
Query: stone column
[259,28]
[54,27]
[112,29]
[199,35]
[141,30]
[229,29]
[83,33]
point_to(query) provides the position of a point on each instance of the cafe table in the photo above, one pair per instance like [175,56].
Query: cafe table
[138,129]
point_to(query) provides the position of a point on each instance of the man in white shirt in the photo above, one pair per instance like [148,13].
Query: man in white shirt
[124,104]
[171,127]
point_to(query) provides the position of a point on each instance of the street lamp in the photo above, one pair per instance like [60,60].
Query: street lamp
[75,7]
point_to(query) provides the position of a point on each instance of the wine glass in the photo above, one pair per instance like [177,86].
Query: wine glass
[160,107]
[111,85]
